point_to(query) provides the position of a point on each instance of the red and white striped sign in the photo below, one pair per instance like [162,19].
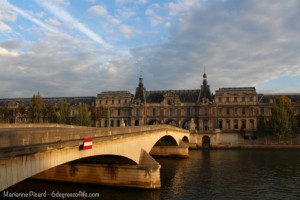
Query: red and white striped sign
[87,143]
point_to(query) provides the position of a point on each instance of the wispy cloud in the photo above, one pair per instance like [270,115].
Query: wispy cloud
[29,17]
[64,16]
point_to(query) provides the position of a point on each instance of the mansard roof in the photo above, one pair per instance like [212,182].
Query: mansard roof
[236,90]
[266,98]
[185,96]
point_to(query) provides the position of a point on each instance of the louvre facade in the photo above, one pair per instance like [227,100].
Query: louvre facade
[228,109]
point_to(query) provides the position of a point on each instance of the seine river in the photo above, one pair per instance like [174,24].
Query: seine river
[216,174]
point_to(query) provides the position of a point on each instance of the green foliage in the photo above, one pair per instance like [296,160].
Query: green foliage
[63,113]
[98,113]
[83,117]
[36,109]
[283,121]
[50,114]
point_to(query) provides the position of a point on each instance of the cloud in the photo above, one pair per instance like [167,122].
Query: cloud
[4,27]
[52,22]
[5,53]
[240,43]
[98,10]
[126,30]
[65,17]
[28,16]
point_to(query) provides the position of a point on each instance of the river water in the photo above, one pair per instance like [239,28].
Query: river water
[216,174]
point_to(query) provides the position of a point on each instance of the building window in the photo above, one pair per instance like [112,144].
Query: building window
[251,98]
[112,123]
[251,124]
[112,101]
[106,101]
[188,111]
[244,111]
[137,112]
[243,123]
[227,99]
[220,124]
[235,124]
[119,101]
[243,99]
[118,123]
[235,99]
[235,111]
[154,112]
[170,112]
[220,99]
[228,111]
[125,101]
[252,111]
[262,110]
[228,124]
[205,111]
[119,112]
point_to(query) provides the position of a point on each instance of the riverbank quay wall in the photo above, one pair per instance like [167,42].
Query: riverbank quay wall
[236,140]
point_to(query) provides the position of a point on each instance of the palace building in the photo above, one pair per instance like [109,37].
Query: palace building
[229,109]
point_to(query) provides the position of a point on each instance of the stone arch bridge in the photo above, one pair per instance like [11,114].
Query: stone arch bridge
[33,150]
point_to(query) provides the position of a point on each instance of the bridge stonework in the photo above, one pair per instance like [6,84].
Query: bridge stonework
[39,148]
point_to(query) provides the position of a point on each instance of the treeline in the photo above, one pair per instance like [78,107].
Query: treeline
[39,112]
[283,122]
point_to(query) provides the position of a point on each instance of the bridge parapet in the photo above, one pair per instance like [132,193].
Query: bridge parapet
[16,138]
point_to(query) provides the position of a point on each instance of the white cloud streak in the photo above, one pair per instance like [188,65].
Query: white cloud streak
[30,17]
[70,20]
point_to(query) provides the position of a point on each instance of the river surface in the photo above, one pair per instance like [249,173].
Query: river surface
[216,174]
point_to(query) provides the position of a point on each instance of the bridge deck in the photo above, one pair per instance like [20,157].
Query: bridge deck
[31,138]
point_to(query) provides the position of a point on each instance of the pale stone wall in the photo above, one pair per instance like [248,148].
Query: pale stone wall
[104,174]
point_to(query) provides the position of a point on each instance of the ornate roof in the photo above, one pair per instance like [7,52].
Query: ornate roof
[185,96]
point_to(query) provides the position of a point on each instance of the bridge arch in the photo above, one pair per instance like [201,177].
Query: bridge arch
[206,142]
[107,159]
[166,140]
[171,122]
[129,142]
[185,139]
[153,122]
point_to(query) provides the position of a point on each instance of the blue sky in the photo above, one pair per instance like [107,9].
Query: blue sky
[83,47]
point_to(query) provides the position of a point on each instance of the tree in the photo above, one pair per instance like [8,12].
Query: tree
[36,109]
[83,117]
[98,113]
[63,114]
[50,114]
[263,128]
[283,118]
